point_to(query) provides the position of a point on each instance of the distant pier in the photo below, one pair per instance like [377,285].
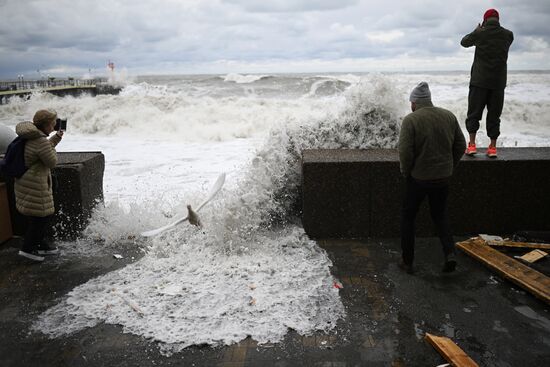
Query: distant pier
[59,87]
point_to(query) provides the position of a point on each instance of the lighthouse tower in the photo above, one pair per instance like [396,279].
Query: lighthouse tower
[111,66]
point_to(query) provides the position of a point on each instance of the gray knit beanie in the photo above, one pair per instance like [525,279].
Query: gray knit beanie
[421,93]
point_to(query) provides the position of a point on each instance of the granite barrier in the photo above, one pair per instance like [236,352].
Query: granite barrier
[358,193]
[77,189]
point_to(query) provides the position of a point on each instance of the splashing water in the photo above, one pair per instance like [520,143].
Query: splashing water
[250,271]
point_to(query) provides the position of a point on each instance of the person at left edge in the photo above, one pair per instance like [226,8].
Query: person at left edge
[431,145]
[33,190]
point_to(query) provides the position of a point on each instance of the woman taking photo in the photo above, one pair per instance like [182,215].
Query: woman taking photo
[33,191]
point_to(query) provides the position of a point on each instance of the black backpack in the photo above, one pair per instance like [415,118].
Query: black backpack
[13,163]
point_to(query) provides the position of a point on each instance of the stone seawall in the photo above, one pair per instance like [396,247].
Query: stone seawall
[77,189]
[357,193]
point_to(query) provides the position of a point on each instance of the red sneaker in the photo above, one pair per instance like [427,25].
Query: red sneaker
[471,149]
[492,151]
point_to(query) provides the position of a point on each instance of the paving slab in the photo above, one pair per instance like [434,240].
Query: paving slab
[388,312]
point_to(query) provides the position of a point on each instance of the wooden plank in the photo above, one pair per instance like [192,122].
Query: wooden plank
[533,256]
[450,351]
[531,280]
[541,246]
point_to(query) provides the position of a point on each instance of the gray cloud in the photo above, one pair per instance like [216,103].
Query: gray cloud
[200,34]
[284,6]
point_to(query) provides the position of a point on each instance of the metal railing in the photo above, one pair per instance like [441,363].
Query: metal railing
[22,84]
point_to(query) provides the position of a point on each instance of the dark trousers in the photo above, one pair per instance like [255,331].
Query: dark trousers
[414,194]
[36,231]
[478,99]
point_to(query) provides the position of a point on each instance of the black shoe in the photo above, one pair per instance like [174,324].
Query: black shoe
[450,263]
[406,268]
[48,251]
[32,255]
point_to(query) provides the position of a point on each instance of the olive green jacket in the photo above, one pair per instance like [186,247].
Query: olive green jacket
[492,43]
[33,191]
[430,143]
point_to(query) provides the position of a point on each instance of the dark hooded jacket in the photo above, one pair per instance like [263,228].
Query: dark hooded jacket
[490,60]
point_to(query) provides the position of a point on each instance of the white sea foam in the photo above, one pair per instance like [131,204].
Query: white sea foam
[243,79]
[161,112]
[245,274]
[250,271]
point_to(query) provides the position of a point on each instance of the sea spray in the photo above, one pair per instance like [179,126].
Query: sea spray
[370,119]
[247,273]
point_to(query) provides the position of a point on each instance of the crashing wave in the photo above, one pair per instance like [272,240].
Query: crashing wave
[245,274]
[244,79]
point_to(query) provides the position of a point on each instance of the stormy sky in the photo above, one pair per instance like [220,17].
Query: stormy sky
[70,37]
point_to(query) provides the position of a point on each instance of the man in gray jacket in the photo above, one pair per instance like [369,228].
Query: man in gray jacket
[488,78]
[430,147]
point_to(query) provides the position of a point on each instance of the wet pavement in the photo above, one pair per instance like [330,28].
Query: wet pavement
[388,312]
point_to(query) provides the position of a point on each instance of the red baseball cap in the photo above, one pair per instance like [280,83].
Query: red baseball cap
[491,13]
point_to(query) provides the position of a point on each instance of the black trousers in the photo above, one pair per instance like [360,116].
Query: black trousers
[478,99]
[36,231]
[414,194]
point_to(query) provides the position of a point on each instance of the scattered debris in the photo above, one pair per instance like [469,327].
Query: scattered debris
[338,285]
[532,245]
[533,256]
[522,275]
[117,256]
[132,305]
[488,238]
[450,351]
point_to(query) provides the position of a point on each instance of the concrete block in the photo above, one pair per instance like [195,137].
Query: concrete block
[364,188]
[77,189]
[337,196]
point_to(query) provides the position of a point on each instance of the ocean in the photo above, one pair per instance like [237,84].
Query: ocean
[251,271]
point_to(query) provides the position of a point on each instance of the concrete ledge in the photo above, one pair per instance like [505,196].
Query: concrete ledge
[77,189]
[357,193]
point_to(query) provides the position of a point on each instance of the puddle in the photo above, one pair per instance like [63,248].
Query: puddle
[448,330]
[530,313]
[497,326]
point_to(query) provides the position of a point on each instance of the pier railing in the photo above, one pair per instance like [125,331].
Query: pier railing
[23,84]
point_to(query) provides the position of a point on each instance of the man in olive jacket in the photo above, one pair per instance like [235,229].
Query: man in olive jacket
[430,147]
[488,78]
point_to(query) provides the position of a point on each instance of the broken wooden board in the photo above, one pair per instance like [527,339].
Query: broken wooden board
[450,351]
[531,280]
[541,246]
[533,256]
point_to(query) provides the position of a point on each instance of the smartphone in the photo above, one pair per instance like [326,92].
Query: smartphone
[60,124]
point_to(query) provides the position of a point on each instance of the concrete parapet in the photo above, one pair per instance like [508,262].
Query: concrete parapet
[358,193]
[77,189]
